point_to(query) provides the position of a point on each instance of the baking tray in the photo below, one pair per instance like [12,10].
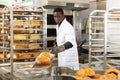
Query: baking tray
[57,71]
[58,78]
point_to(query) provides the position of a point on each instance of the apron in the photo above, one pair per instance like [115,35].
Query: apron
[69,57]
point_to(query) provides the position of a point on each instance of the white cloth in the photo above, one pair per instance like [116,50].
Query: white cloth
[69,57]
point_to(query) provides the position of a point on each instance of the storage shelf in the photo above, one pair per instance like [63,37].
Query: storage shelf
[37,11]
[28,15]
[23,29]
[29,23]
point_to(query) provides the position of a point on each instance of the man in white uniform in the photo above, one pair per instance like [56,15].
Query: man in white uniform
[66,41]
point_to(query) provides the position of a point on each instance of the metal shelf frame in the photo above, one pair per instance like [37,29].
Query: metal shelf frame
[96,38]
[104,31]
[112,34]
[6,12]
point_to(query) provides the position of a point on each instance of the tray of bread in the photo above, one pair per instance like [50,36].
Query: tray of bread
[24,56]
[87,73]
[23,45]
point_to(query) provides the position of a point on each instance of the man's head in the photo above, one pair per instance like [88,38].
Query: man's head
[58,15]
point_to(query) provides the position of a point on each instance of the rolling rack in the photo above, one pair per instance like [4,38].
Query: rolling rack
[26,27]
[6,38]
[96,39]
[29,32]
[112,41]
[104,40]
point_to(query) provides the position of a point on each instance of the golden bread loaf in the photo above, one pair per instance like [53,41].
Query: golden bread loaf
[25,55]
[20,37]
[112,70]
[85,72]
[16,22]
[34,36]
[36,22]
[43,59]
[20,32]
[35,54]
[15,55]
[33,46]
[1,55]
[20,46]
[96,76]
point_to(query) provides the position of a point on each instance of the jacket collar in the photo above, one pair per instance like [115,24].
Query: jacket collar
[60,23]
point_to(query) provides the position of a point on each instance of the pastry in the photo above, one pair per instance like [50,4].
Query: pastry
[96,76]
[80,73]
[112,70]
[89,72]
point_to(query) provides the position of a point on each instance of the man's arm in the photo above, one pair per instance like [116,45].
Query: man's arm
[61,48]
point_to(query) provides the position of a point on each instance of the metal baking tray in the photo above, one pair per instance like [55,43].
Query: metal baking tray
[57,71]
[58,78]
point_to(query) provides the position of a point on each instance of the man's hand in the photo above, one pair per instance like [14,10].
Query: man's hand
[58,49]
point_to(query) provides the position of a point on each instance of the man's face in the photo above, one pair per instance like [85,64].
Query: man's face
[58,17]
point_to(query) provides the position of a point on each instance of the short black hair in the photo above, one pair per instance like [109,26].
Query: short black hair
[59,10]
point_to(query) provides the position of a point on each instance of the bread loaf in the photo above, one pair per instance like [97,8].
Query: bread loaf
[26,22]
[33,46]
[1,55]
[20,37]
[34,36]
[35,54]
[15,55]
[43,59]
[25,55]
[20,32]
[20,46]
[36,22]
[16,22]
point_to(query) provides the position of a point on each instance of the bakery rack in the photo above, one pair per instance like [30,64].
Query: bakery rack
[96,39]
[30,32]
[112,41]
[104,41]
[6,37]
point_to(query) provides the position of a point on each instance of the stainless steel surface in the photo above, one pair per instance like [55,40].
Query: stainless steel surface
[67,5]
[57,71]
[24,71]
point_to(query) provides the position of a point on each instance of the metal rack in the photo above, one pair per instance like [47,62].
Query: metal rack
[112,41]
[30,32]
[104,41]
[96,39]
[6,37]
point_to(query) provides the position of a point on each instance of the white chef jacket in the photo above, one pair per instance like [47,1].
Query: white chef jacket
[69,57]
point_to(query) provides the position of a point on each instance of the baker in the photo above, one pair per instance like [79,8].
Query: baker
[66,48]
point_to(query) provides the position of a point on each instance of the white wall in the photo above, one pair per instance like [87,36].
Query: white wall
[85,13]
[113,4]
